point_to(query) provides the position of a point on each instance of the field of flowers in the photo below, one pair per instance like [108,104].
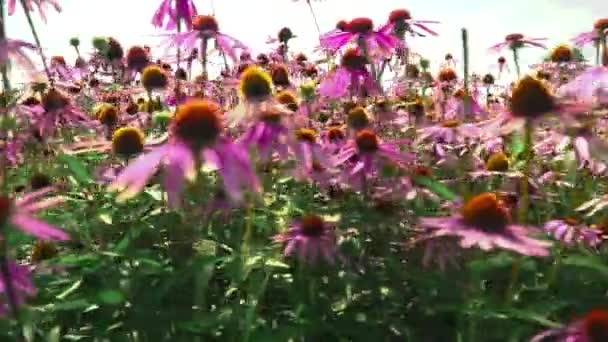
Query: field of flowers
[301,197]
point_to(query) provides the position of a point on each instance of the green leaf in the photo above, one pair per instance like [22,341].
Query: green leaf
[591,262]
[436,187]
[70,290]
[110,297]
[77,167]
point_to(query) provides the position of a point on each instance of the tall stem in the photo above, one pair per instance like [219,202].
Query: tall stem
[363,46]
[28,16]
[516,61]
[465,54]
[527,154]
[7,280]
[314,17]
[4,66]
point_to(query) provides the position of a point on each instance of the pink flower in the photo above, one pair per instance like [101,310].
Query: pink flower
[367,155]
[310,238]
[21,283]
[362,29]
[518,40]
[485,222]
[593,327]
[19,212]
[184,10]
[571,231]
[15,50]
[351,75]
[29,6]
[196,136]
[205,27]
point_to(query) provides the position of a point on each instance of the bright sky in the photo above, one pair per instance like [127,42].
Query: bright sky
[252,21]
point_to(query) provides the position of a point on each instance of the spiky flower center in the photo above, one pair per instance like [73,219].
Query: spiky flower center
[288,99]
[255,84]
[312,226]
[361,26]
[153,77]
[271,116]
[137,58]
[357,118]
[6,205]
[422,171]
[342,25]
[514,37]
[30,101]
[595,325]
[450,123]
[39,181]
[43,250]
[561,54]
[571,221]
[447,75]
[531,98]
[205,23]
[58,60]
[284,35]
[601,24]
[367,141]
[128,141]
[488,79]
[497,162]
[399,16]
[198,123]
[280,75]
[54,100]
[486,212]
[306,135]
[502,60]
[353,59]
[335,134]
[107,114]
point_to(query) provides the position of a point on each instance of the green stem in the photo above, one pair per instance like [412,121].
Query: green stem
[28,16]
[553,272]
[314,17]
[4,67]
[246,247]
[7,280]
[515,271]
[524,191]
[465,53]
[516,61]
[363,47]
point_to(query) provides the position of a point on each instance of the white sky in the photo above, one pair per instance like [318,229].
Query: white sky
[487,21]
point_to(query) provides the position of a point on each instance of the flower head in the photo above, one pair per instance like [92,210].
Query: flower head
[310,238]
[531,99]
[255,84]
[485,221]
[128,141]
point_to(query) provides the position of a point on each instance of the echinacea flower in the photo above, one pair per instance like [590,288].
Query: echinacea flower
[205,27]
[570,231]
[29,6]
[21,283]
[16,50]
[352,75]
[402,22]
[485,221]
[57,108]
[593,327]
[196,136]
[267,134]
[309,238]
[362,30]
[18,213]
[369,154]
[173,11]
[518,40]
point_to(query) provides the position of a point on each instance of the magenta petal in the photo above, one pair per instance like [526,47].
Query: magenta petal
[37,228]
